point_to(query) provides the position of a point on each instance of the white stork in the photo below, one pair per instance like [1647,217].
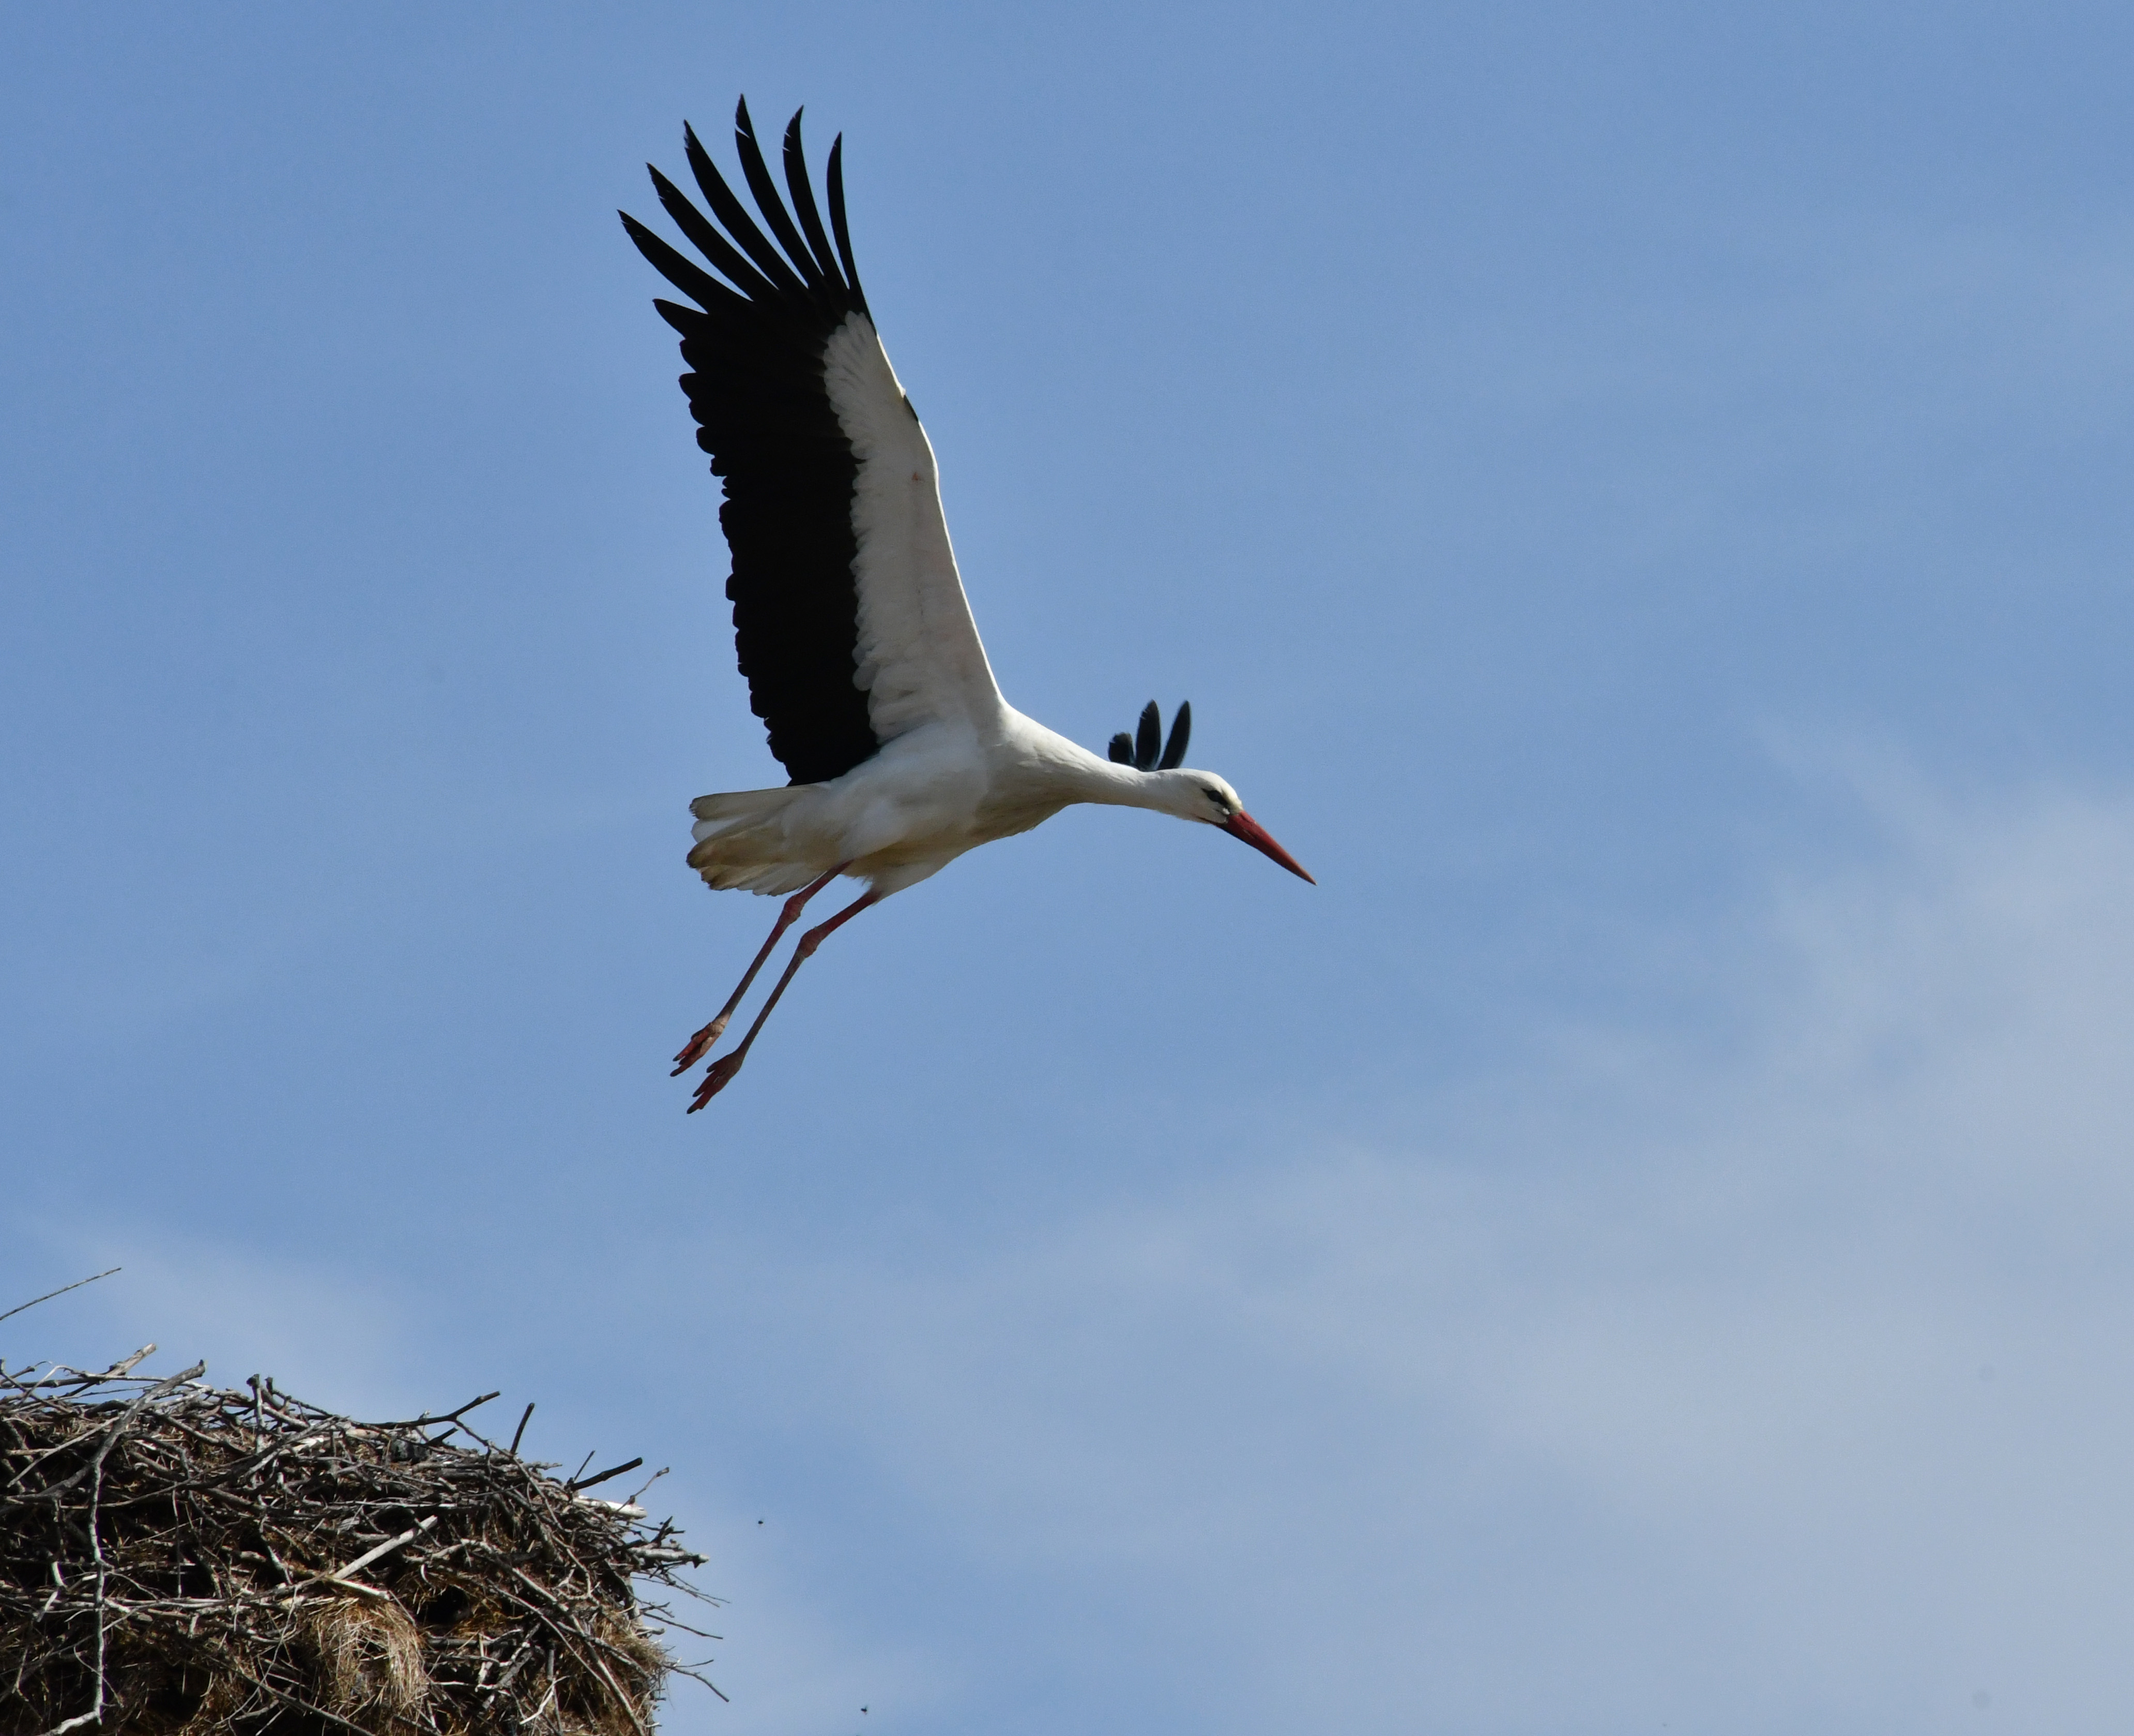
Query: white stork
[852,629]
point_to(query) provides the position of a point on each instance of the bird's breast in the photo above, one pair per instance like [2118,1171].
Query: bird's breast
[1004,816]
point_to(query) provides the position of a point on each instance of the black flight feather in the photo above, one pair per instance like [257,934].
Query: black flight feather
[756,388]
[687,320]
[1181,732]
[768,200]
[692,279]
[804,201]
[709,241]
[734,215]
[1122,748]
[836,182]
[1148,738]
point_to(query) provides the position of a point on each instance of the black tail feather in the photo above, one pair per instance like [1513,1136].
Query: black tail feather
[1122,748]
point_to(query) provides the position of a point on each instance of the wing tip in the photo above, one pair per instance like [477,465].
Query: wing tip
[1148,737]
[834,178]
[1181,732]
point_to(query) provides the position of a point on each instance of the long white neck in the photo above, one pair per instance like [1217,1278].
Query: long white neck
[1078,775]
[1119,786]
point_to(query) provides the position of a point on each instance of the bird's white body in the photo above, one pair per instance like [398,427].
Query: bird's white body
[948,786]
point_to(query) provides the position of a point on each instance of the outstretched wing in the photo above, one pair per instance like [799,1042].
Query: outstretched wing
[849,619]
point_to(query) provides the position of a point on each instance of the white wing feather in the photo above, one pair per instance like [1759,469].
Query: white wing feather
[920,656]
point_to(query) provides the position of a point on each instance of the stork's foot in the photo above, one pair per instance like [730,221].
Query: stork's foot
[692,1051]
[716,1081]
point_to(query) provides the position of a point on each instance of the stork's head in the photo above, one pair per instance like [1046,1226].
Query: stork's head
[1190,794]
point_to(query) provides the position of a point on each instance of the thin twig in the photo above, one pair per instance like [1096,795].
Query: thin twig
[577,1483]
[60,1292]
[425,1420]
[341,1576]
[94,1714]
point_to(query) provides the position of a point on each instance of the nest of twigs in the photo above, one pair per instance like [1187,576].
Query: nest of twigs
[177,1558]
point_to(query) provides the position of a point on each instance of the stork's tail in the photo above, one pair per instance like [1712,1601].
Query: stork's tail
[744,840]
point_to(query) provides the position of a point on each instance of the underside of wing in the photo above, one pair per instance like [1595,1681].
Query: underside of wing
[849,619]
[754,345]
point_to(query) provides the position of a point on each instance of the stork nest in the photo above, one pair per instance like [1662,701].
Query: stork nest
[176,1560]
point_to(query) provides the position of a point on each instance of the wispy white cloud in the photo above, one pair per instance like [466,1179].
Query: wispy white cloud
[1777,1384]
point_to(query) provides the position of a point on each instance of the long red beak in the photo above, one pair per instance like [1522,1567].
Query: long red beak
[1242,825]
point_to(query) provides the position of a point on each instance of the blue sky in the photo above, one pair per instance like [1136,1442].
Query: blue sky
[1637,499]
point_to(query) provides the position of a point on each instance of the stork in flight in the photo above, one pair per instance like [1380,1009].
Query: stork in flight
[852,629]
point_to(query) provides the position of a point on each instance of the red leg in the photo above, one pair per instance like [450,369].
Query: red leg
[723,1069]
[692,1051]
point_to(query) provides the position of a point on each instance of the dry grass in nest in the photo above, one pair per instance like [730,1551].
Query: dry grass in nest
[176,1560]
